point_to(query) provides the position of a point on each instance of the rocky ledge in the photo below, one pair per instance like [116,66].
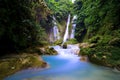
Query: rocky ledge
[16,62]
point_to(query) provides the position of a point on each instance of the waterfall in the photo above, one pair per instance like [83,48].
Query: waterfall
[71,51]
[66,36]
[51,36]
[55,30]
[73,27]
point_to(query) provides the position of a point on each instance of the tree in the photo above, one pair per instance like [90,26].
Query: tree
[19,23]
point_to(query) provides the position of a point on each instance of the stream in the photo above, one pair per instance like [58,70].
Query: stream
[67,66]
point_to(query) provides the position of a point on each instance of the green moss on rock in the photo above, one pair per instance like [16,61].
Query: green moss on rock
[50,51]
[72,41]
[13,63]
[58,42]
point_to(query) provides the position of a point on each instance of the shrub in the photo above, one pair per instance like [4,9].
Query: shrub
[115,42]
[72,41]
[95,39]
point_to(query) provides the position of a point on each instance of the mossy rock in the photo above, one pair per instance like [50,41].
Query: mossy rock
[72,41]
[64,46]
[11,64]
[99,60]
[50,51]
[36,49]
[58,42]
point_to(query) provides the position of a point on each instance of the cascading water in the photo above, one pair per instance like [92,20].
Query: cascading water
[71,51]
[51,36]
[66,36]
[55,30]
[73,27]
[67,66]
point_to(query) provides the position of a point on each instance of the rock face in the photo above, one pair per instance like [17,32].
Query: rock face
[46,50]
[84,58]
[87,45]
[13,63]
[102,55]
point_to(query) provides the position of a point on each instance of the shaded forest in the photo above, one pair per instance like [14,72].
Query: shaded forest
[99,23]
[20,25]
[25,25]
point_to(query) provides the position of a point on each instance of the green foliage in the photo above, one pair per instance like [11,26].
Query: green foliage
[58,42]
[19,23]
[50,51]
[84,51]
[115,42]
[101,20]
[60,8]
[71,41]
[97,17]
[94,39]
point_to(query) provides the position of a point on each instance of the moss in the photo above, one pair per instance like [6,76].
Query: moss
[50,51]
[103,29]
[72,41]
[43,43]
[46,50]
[62,27]
[115,42]
[58,42]
[13,63]
[103,54]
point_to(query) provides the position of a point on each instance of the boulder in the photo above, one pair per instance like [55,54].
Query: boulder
[64,46]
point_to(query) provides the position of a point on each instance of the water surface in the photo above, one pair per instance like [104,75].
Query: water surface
[67,66]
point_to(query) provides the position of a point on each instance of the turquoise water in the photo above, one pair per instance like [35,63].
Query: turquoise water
[67,68]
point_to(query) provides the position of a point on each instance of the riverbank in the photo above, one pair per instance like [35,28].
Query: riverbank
[12,63]
[101,55]
[67,62]
[28,58]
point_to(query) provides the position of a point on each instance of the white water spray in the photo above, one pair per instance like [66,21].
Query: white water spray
[66,36]
[73,27]
[71,51]
[55,30]
[51,36]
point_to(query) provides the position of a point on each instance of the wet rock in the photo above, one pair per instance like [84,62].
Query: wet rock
[84,45]
[50,51]
[83,58]
[64,46]
[87,45]
[118,67]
